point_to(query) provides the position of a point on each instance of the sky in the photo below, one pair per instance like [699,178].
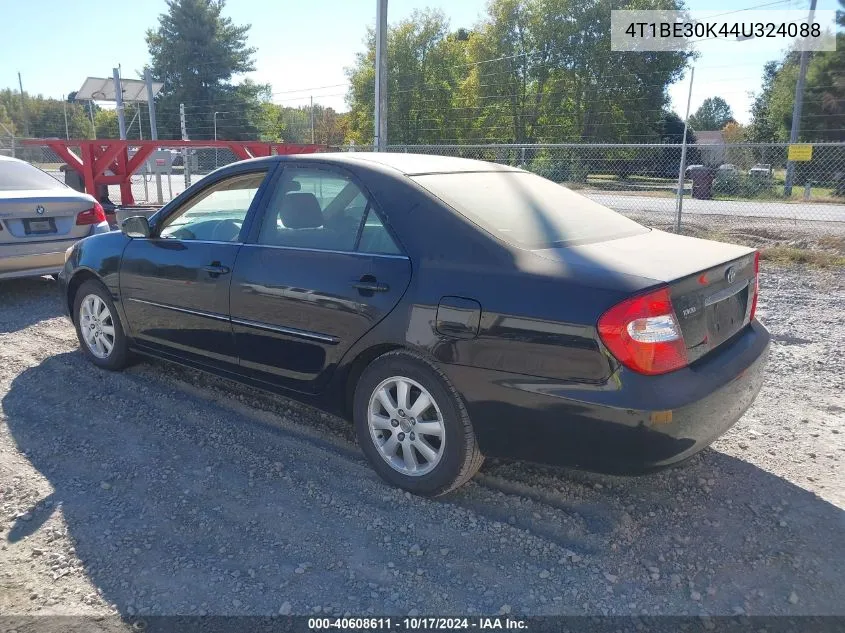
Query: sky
[304,45]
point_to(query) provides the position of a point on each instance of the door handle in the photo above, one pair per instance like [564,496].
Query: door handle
[215,269]
[370,286]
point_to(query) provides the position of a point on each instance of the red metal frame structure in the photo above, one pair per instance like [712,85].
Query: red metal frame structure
[102,155]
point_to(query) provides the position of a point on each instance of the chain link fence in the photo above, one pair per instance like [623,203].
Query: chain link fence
[7,142]
[175,169]
[727,190]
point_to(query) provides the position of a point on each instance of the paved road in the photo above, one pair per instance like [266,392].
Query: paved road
[745,208]
[622,203]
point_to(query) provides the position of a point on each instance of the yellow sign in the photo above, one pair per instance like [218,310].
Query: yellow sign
[800,152]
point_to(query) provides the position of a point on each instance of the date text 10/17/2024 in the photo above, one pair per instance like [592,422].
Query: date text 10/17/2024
[418,624]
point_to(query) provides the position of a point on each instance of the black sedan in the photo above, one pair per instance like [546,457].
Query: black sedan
[451,308]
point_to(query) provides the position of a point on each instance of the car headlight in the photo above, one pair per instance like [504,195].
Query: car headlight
[68,253]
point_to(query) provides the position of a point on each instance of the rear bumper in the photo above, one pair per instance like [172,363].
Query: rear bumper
[632,423]
[31,259]
[35,259]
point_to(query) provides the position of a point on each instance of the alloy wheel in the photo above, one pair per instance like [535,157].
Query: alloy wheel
[406,426]
[97,326]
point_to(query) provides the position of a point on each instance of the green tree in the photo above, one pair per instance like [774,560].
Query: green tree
[823,109]
[283,124]
[713,114]
[196,52]
[762,128]
[44,118]
[530,71]
[7,126]
[106,124]
[330,127]
[293,125]
[425,66]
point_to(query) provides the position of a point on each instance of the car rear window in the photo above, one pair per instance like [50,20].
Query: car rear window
[18,176]
[526,210]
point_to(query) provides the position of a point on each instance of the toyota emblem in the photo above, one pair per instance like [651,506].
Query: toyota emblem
[39,210]
[730,274]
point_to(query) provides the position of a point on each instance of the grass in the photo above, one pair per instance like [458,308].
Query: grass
[833,243]
[792,255]
[818,195]
[822,252]
[652,193]
[665,187]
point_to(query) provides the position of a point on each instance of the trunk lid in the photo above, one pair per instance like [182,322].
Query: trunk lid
[715,304]
[42,215]
[711,284]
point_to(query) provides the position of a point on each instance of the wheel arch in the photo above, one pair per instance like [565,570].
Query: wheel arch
[79,277]
[362,360]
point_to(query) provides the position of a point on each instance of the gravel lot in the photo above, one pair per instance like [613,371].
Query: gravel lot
[164,491]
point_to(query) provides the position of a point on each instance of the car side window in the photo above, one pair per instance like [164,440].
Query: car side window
[217,213]
[313,208]
[375,237]
[316,208]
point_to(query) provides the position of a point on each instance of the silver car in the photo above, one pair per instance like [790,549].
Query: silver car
[40,218]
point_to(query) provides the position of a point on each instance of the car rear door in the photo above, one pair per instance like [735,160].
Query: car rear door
[320,270]
[175,284]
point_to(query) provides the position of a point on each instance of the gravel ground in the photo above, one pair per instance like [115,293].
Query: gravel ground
[164,491]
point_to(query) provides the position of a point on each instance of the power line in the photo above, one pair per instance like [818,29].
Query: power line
[759,6]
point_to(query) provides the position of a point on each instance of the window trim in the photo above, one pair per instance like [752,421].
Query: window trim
[251,238]
[356,245]
[325,250]
[164,214]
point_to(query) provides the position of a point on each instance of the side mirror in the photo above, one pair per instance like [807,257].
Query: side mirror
[136,226]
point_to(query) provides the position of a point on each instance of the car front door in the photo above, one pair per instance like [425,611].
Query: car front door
[175,284]
[320,270]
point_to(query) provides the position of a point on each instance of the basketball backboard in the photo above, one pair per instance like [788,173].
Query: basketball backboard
[102,89]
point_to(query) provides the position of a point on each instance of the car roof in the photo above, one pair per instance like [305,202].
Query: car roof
[410,164]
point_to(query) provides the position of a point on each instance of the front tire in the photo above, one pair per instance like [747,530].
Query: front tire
[98,327]
[413,426]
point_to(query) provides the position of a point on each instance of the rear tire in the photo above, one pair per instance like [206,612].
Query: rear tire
[98,327]
[426,449]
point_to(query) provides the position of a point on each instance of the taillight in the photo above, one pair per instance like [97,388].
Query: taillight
[94,215]
[644,335]
[756,284]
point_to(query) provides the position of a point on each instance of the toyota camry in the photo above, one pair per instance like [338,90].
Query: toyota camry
[451,308]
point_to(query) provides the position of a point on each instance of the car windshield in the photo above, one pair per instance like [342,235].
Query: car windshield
[20,176]
[526,210]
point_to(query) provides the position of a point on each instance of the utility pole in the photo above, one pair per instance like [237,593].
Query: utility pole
[683,166]
[64,107]
[797,107]
[186,169]
[91,114]
[151,106]
[118,97]
[216,159]
[381,77]
[312,119]
[138,112]
[23,108]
